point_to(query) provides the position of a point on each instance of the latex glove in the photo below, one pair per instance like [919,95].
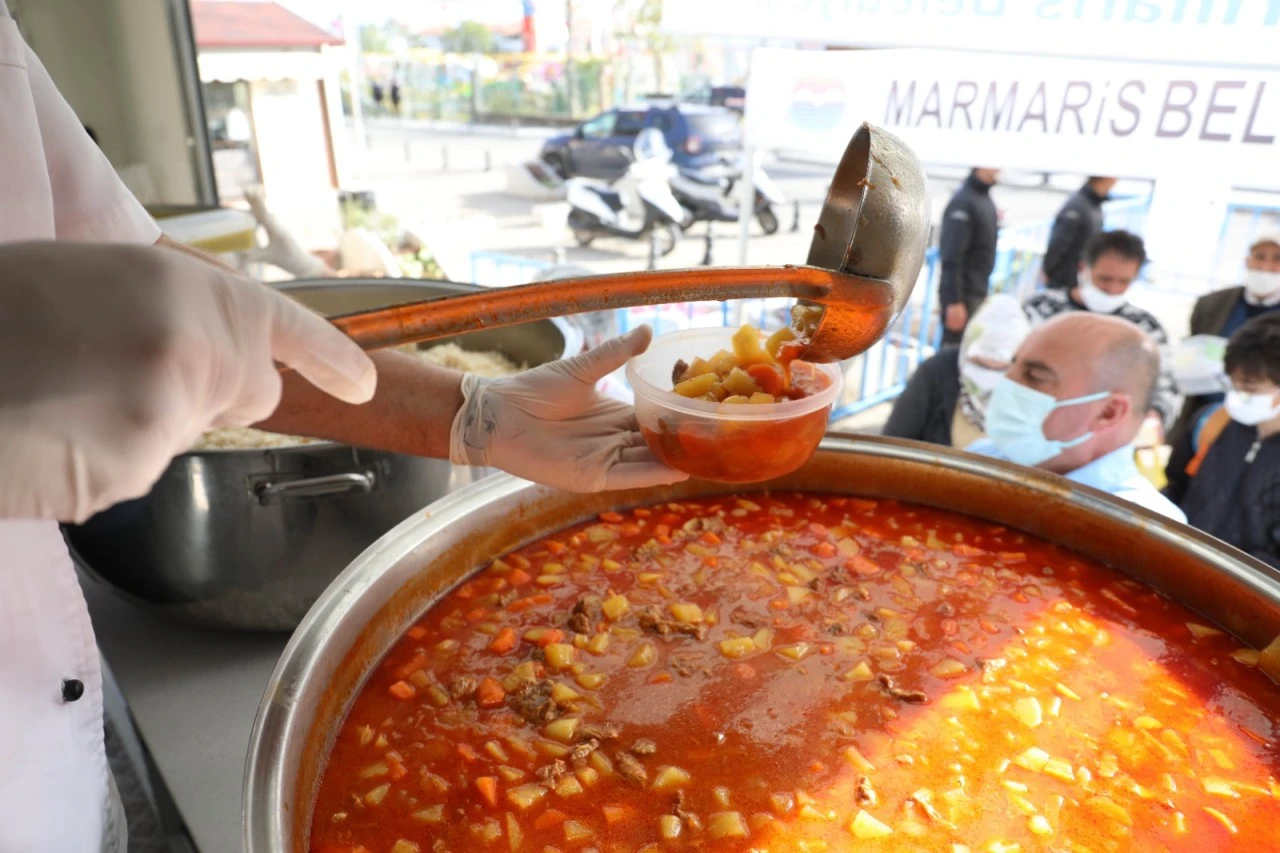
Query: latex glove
[550,424]
[113,359]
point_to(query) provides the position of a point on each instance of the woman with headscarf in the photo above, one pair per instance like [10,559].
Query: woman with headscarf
[945,399]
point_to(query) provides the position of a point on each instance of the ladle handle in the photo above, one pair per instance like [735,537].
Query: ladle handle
[507,306]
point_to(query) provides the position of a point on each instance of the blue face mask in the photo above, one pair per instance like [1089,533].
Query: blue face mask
[1015,422]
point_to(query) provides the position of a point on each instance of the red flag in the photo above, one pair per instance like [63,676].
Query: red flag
[530,45]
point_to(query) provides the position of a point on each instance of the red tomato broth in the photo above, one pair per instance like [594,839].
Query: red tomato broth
[729,450]
[822,622]
[736,451]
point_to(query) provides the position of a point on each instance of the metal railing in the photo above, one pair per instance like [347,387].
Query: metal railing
[1249,220]
[498,269]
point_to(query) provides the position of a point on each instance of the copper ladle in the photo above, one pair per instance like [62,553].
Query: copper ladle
[866,254]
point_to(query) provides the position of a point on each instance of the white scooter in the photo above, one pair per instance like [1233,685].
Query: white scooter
[711,195]
[638,206]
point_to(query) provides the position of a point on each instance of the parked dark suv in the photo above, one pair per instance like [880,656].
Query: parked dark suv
[699,136]
[733,97]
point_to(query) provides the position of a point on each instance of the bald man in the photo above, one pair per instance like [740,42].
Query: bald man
[1072,402]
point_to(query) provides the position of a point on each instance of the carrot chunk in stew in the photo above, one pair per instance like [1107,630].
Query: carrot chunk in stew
[800,672]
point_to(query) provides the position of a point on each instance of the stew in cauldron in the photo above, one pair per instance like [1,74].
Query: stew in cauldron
[800,672]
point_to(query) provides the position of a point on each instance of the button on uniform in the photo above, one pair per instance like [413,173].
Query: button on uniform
[72,689]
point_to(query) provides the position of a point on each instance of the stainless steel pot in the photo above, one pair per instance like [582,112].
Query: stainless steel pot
[370,604]
[247,539]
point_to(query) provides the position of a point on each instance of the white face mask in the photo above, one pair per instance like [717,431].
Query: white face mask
[1261,284]
[1015,422]
[1098,301]
[1251,409]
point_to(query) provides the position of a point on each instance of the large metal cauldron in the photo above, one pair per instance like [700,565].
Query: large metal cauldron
[248,539]
[400,576]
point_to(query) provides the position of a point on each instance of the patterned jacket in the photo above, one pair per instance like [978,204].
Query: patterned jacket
[1051,303]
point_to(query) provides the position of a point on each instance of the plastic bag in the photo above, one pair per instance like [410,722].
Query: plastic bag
[1197,364]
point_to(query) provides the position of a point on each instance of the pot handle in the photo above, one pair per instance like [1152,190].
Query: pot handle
[330,485]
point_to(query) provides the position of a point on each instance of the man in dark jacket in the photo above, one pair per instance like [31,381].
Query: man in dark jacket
[1078,222]
[968,249]
[1224,311]
[1225,473]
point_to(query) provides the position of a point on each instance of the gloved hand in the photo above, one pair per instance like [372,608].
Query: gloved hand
[113,359]
[550,424]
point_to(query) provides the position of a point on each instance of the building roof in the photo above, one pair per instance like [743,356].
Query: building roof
[254,24]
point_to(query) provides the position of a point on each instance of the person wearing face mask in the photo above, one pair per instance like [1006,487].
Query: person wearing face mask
[1072,403]
[1224,311]
[1112,262]
[1225,473]
[946,397]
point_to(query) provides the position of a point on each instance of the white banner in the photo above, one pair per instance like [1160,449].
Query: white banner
[1227,32]
[965,109]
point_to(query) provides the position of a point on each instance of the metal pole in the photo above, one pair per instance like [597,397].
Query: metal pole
[569,81]
[746,201]
[356,72]
[475,91]
[795,223]
[746,210]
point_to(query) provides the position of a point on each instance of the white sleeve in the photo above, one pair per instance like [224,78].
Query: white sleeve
[90,202]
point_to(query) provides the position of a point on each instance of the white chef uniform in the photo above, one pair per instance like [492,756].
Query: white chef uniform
[54,782]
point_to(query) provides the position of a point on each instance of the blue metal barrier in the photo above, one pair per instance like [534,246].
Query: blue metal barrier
[496,269]
[1255,218]
[886,367]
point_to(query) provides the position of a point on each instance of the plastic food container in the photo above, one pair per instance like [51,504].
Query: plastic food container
[726,443]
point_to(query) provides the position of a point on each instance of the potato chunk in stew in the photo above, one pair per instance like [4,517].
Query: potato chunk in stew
[757,371]
[796,672]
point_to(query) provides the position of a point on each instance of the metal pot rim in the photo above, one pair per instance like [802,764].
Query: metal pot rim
[283,723]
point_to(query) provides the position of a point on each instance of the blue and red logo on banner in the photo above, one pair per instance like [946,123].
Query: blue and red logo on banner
[817,104]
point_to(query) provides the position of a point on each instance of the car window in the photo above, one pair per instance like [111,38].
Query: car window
[629,123]
[715,126]
[699,96]
[600,126]
[664,121]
